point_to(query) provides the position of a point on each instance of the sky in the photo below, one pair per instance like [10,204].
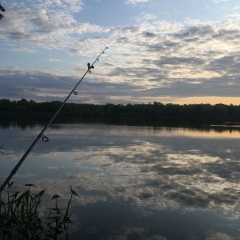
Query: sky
[169,51]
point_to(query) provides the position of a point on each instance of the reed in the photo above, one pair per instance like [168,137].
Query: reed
[20,217]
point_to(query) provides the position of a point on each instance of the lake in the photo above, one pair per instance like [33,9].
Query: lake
[134,182]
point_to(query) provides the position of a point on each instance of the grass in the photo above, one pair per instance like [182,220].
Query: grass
[20,216]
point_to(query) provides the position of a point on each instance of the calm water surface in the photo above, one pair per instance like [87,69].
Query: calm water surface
[135,182]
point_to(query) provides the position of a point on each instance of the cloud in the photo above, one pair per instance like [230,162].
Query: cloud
[219,1]
[145,17]
[48,25]
[53,59]
[187,54]
[155,60]
[25,84]
[219,236]
[134,2]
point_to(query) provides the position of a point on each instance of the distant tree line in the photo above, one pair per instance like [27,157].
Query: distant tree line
[152,112]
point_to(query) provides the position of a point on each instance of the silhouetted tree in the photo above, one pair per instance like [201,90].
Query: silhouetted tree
[144,113]
[3,10]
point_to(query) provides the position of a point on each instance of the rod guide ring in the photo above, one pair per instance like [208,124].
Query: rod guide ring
[44,138]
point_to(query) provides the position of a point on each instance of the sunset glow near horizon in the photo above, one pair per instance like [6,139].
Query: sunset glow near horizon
[181,52]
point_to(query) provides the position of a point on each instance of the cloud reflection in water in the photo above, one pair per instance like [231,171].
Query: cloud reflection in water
[152,169]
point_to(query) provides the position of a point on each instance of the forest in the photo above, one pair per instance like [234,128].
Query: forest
[152,113]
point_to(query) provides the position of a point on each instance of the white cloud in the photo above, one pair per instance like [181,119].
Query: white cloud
[53,59]
[156,59]
[219,1]
[145,17]
[48,24]
[155,62]
[219,236]
[134,2]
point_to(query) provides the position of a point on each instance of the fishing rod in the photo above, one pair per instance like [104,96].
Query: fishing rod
[41,134]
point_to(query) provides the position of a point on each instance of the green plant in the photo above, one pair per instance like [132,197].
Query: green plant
[20,216]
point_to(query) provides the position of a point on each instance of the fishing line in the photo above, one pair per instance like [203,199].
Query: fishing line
[41,135]
[24,169]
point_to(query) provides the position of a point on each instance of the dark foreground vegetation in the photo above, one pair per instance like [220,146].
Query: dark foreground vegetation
[21,218]
[152,113]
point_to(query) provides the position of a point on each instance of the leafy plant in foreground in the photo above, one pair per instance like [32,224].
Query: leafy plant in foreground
[20,216]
